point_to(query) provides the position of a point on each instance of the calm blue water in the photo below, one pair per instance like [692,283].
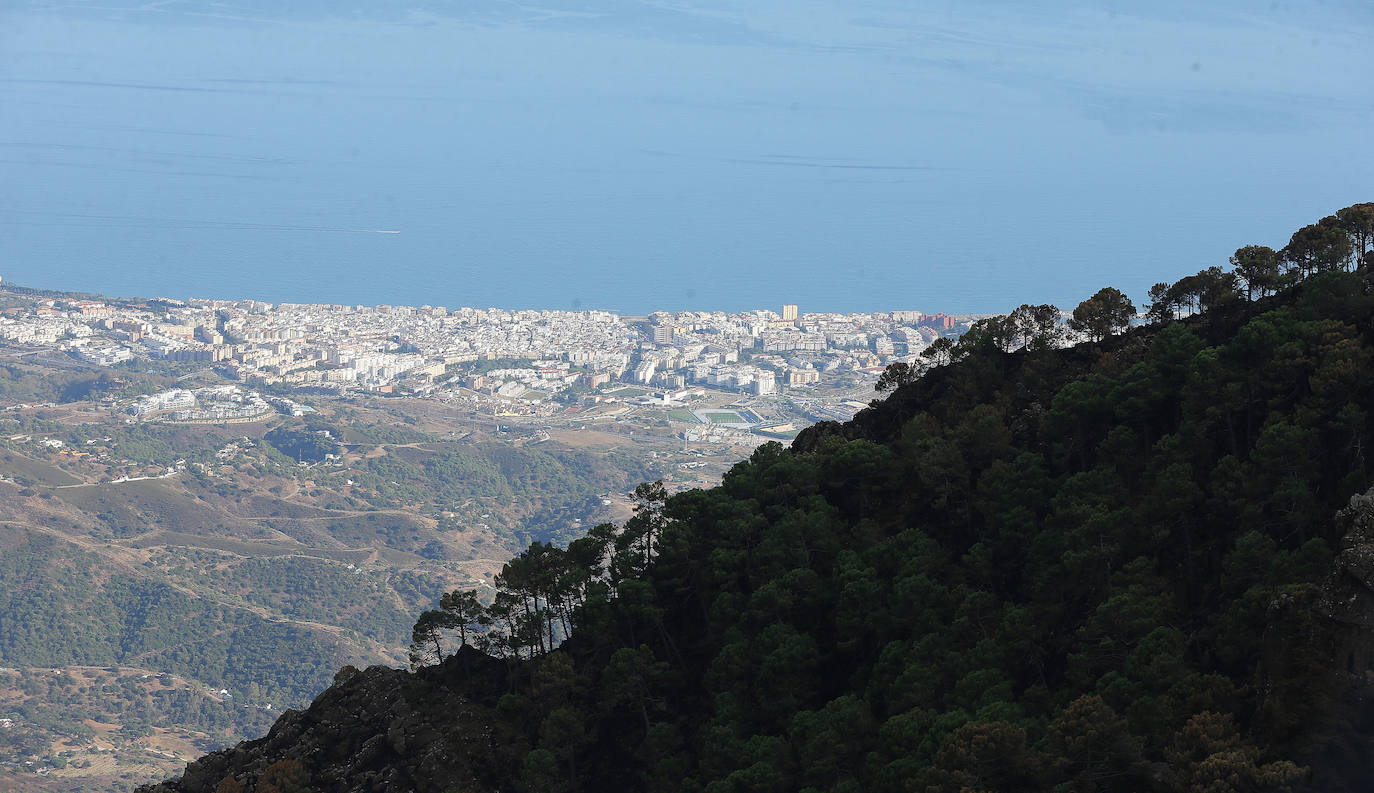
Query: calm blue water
[846,155]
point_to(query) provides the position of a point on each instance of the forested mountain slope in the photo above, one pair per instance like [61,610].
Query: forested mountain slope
[1118,566]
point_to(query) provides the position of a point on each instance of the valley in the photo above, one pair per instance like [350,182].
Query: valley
[170,588]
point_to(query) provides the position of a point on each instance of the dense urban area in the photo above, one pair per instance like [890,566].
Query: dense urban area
[786,369]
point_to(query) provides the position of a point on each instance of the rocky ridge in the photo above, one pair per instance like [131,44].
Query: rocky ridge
[378,730]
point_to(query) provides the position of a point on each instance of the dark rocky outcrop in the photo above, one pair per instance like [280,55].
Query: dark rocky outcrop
[378,730]
[1320,645]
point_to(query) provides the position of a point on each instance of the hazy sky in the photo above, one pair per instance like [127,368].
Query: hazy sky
[860,155]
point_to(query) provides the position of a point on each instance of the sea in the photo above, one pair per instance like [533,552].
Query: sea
[643,155]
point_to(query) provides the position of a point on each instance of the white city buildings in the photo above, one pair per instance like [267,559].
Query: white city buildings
[342,348]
